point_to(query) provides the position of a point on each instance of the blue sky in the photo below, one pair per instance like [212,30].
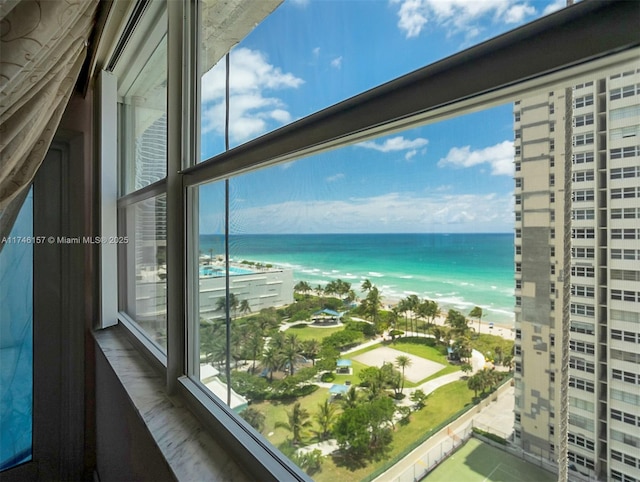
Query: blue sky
[453,176]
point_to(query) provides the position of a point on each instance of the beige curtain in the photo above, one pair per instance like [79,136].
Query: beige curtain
[42,49]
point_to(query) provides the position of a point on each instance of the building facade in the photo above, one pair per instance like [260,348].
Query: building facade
[577,271]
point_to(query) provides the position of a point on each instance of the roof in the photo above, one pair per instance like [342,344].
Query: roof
[338,389]
[327,311]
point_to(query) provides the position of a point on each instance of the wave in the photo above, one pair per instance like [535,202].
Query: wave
[375,274]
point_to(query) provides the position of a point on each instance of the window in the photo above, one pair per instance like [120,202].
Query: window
[624,132]
[628,254]
[625,213]
[583,233]
[581,384]
[582,157]
[583,120]
[587,253]
[581,309]
[624,152]
[582,214]
[583,271]
[157,193]
[582,176]
[622,92]
[518,181]
[582,347]
[625,112]
[624,172]
[581,365]
[580,441]
[624,233]
[625,274]
[585,291]
[583,139]
[583,101]
[583,195]
[142,212]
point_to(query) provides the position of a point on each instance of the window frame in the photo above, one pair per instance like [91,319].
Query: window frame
[386,109]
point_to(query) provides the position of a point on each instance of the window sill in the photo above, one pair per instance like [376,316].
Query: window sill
[189,451]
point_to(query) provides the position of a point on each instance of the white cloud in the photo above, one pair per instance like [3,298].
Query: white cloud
[499,157]
[316,51]
[553,6]
[518,13]
[335,177]
[253,109]
[409,155]
[392,212]
[337,62]
[458,15]
[398,143]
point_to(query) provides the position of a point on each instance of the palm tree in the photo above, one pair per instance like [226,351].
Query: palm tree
[475,383]
[311,349]
[271,361]
[412,304]
[366,285]
[298,420]
[302,287]
[403,361]
[476,312]
[221,304]
[373,303]
[244,307]
[325,418]
[254,418]
[350,399]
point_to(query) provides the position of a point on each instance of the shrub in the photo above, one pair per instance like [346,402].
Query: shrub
[490,436]
[327,377]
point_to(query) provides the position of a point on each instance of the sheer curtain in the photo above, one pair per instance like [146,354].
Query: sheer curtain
[43,45]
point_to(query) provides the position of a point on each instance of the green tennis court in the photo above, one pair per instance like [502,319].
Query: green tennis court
[480,462]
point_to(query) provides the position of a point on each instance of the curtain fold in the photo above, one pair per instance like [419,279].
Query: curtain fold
[43,45]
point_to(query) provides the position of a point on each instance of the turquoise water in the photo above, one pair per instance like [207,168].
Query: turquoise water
[457,270]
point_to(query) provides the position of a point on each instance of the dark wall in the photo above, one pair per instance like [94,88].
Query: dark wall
[125,449]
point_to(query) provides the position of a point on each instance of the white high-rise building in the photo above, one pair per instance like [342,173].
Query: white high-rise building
[577,263]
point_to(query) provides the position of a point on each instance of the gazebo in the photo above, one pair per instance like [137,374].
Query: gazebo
[338,390]
[343,366]
[326,315]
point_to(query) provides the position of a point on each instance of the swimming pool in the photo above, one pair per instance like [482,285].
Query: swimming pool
[214,271]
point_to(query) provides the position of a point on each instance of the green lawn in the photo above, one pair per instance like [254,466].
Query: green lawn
[486,344]
[276,411]
[441,405]
[480,462]
[311,332]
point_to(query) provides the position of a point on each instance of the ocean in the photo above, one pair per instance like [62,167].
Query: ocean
[457,270]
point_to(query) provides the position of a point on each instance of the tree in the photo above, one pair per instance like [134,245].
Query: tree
[271,360]
[466,368]
[325,417]
[297,422]
[462,347]
[254,418]
[499,354]
[402,362]
[475,383]
[476,312]
[245,307]
[302,287]
[351,398]
[311,349]
[457,322]
[419,399]
[363,431]
[221,304]
[366,285]
[373,301]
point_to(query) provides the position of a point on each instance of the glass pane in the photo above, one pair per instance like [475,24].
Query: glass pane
[143,119]
[308,55]
[342,262]
[144,231]
[16,340]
